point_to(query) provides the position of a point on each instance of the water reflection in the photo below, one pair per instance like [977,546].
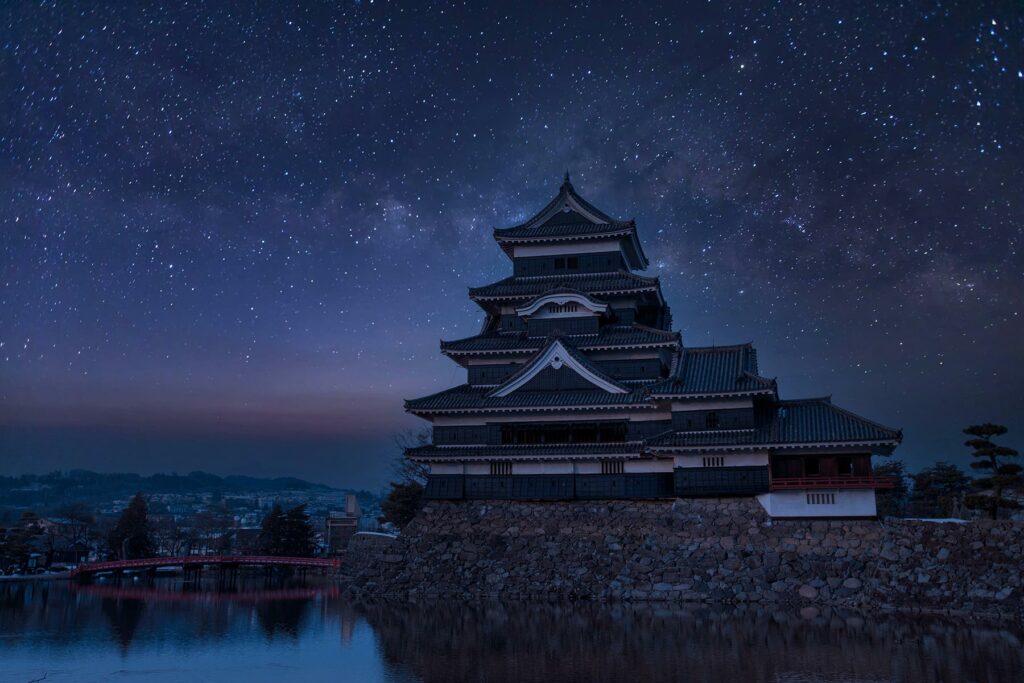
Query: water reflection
[588,643]
[167,630]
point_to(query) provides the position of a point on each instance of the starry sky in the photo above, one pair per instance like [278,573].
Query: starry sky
[232,235]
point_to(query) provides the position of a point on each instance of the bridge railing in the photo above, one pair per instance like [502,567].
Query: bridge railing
[203,560]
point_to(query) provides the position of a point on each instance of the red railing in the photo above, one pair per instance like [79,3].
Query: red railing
[203,560]
[832,482]
[122,592]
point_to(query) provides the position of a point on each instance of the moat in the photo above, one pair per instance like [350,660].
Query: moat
[167,631]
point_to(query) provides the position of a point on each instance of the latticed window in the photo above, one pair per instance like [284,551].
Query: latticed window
[501,468]
[613,467]
[821,499]
[714,461]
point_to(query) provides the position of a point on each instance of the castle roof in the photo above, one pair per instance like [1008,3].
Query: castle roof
[610,337]
[469,398]
[557,451]
[569,217]
[794,423]
[530,287]
[700,371]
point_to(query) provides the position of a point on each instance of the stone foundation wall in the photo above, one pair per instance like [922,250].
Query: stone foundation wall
[719,550]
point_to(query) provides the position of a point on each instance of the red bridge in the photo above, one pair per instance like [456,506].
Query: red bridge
[200,561]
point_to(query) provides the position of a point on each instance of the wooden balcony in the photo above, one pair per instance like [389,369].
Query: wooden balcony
[831,482]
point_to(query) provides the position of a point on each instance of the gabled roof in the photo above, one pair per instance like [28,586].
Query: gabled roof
[609,338]
[569,217]
[562,295]
[557,354]
[468,399]
[528,288]
[710,370]
[805,422]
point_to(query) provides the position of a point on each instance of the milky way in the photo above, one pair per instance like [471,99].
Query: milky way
[232,238]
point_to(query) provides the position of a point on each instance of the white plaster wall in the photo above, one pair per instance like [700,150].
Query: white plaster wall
[563,467]
[583,416]
[578,247]
[860,503]
[678,406]
[734,460]
[446,468]
[648,465]
[478,468]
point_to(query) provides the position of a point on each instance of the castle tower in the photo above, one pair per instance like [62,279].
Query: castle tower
[577,388]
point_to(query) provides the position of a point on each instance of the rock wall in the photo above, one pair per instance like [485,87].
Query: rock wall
[718,550]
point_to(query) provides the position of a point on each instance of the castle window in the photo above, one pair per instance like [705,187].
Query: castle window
[572,263]
[844,465]
[714,461]
[560,263]
[501,468]
[821,499]
[711,421]
[613,467]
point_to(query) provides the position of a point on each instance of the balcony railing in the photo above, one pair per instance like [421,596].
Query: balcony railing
[831,482]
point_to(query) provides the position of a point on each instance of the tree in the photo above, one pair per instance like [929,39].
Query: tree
[937,490]
[893,502]
[17,541]
[402,503]
[1002,475]
[404,469]
[406,495]
[77,524]
[287,534]
[271,541]
[299,536]
[130,538]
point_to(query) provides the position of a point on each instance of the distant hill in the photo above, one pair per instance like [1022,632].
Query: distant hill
[41,491]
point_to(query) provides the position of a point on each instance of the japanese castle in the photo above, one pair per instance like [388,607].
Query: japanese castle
[578,388]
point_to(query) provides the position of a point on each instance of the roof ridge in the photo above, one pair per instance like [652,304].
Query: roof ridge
[578,276]
[813,399]
[729,347]
[565,190]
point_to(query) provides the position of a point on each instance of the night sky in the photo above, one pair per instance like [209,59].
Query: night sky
[232,237]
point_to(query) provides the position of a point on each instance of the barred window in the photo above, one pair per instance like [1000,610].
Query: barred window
[714,461]
[613,467]
[501,468]
[821,499]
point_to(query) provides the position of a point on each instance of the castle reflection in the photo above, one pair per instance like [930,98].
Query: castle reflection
[250,625]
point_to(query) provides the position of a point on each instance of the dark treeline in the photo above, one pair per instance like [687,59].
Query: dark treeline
[58,488]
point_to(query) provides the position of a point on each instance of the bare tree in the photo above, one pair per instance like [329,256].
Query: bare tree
[406,470]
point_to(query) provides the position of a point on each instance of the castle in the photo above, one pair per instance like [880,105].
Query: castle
[578,388]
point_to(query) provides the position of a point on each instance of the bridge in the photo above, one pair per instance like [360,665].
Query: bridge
[197,562]
[148,594]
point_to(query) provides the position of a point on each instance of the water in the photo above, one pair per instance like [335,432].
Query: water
[167,631]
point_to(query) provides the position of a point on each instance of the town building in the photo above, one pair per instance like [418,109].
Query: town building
[578,388]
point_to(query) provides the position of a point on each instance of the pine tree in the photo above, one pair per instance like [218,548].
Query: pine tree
[937,489]
[893,502]
[1003,475]
[299,537]
[272,532]
[131,537]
